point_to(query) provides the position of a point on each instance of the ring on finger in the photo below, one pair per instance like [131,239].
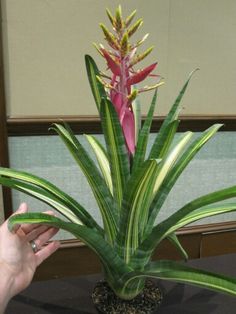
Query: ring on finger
[34,246]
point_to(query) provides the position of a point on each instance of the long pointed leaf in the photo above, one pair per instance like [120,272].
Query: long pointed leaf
[176,171]
[204,212]
[170,159]
[135,206]
[117,152]
[90,237]
[102,159]
[96,86]
[168,136]
[175,241]
[101,192]
[41,195]
[170,270]
[141,146]
[172,115]
[163,229]
[53,191]
[136,107]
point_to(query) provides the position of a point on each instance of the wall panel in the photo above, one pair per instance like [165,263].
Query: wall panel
[45,43]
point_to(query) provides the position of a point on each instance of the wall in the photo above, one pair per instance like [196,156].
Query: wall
[45,42]
[1,207]
[213,168]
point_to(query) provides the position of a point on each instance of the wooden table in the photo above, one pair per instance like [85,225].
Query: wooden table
[72,295]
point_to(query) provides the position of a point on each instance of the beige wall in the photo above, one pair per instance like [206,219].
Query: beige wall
[45,42]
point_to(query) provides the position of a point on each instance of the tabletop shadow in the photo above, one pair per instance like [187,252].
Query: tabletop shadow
[47,307]
[177,301]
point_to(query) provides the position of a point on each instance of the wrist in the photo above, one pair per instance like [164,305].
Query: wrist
[6,283]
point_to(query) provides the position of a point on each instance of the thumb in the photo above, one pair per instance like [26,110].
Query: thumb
[23,208]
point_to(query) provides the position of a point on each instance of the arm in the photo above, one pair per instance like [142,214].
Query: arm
[18,262]
[6,283]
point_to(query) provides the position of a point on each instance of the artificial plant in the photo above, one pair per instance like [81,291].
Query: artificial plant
[129,183]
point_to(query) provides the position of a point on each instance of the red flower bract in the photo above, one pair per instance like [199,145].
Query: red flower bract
[120,61]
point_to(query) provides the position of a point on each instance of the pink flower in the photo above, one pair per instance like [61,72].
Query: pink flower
[120,61]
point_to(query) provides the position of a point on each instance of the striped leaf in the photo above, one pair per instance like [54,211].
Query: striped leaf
[136,107]
[206,211]
[96,86]
[176,171]
[41,195]
[90,237]
[137,200]
[167,139]
[102,159]
[104,199]
[170,270]
[171,158]
[175,241]
[172,115]
[141,146]
[186,213]
[116,149]
[60,198]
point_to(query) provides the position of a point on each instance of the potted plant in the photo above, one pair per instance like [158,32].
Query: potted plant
[129,184]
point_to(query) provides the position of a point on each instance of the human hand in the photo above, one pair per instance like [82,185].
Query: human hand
[18,261]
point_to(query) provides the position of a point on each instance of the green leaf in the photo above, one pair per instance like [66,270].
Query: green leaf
[136,107]
[171,158]
[90,237]
[172,115]
[163,146]
[141,146]
[170,270]
[186,214]
[116,149]
[64,200]
[176,171]
[135,206]
[96,86]
[105,201]
[206,211]
[42,195]
[175,241]
[102,159]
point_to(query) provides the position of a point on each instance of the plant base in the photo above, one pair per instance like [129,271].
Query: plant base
[107,302]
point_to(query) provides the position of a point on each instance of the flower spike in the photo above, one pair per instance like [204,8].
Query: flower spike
[124,45]
[135,27]
[130,18]
[109,37]
[119,21]
[141,41]
[142,56]
[121,59]
[111,18]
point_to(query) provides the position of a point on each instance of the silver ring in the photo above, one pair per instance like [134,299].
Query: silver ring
[34,246]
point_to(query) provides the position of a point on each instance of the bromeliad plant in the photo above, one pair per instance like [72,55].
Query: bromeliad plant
[129,184]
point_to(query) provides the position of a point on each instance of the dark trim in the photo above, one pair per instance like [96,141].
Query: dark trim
[196,240]
[4,157]
[28,126]
[208,228]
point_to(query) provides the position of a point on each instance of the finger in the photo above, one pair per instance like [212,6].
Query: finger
[46,251]
[35,233]
[27,228]
[44,237]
